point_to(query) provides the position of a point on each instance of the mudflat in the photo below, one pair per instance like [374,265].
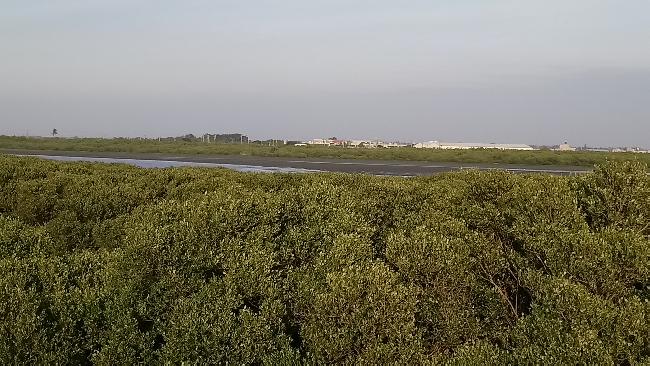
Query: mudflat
[374,167]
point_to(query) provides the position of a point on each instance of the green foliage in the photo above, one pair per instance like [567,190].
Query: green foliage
[570,325]
[20,240]
[110,264]
[364,315]
[617,195]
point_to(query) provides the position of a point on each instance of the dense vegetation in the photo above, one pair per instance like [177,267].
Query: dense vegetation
[111,264]
[542,157]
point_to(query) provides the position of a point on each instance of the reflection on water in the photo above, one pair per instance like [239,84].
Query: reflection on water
[143,163]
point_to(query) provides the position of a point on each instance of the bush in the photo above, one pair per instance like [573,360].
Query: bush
[108,264]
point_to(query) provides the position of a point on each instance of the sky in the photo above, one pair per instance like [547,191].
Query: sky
[505,71]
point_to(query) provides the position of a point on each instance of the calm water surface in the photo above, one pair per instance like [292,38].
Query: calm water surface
[143,163]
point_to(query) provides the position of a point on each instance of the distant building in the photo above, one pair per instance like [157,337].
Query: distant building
[566,147]
[427,145]
[392,144]
[318,142]
[467,146]
[361,143]
[332,141]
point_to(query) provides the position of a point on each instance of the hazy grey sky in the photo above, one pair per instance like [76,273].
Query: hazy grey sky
[465,70]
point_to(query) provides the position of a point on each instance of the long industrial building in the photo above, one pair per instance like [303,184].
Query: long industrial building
[468,145]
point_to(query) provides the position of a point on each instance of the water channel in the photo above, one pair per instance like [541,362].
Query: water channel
[144,163]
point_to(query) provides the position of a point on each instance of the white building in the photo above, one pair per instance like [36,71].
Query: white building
[327,142]
[467,146]
[566,147]
[427,145]
[392,144]
[367,143]
[360,143]
[318,142]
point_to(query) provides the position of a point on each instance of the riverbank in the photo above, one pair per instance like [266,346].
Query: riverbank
[191,148]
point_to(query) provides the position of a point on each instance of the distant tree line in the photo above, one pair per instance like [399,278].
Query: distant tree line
[278,148]
[212,138]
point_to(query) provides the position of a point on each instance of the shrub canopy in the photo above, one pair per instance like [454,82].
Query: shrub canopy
[112,264]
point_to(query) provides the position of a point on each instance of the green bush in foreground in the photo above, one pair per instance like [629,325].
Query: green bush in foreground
[111,264]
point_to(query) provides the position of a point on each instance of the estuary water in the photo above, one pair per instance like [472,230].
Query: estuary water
[296,165]
[144,163]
